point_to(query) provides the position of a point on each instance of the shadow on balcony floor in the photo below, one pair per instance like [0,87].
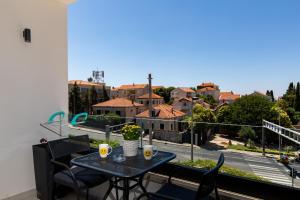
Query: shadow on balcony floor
[151,182]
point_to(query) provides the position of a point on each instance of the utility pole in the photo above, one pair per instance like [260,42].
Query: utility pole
[192,133]
[150,108]
[263,139]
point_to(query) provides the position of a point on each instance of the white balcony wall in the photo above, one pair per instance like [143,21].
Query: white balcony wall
[33,79]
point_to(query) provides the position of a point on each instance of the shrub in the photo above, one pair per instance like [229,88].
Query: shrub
[95,143]
[209,164]
[247,134]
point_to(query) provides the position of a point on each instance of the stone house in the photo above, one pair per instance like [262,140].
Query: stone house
[144,99]
[182,92]
[165,123]
[131,91]
[206,89]
[125,108]
[228,97]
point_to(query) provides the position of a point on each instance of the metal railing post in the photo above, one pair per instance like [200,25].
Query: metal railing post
[292,177]
[107,132]
[279,143]
[263,141]
[60,125]
[142,134]
[192,142]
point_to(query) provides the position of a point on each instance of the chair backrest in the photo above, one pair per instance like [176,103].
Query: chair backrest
[208,181]
[67,146]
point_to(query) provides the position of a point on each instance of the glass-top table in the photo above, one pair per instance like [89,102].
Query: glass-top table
[130,169]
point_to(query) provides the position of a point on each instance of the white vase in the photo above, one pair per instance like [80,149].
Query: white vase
[130,147]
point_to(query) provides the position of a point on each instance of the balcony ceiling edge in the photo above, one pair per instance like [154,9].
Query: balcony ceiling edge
[66,1]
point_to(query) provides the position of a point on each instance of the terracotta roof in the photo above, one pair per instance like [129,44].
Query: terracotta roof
[132,86]
[186,89]
[135,86]
[206,89]
[228,96]
[147,96]
[118,102]
[163,111]
[185,99]
[114,89]
[84,83]
[208,85]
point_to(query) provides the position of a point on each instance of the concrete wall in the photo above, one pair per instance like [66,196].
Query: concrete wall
[34,84]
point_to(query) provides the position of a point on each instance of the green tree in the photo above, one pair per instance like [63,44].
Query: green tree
[90,79]
[201,114]
[297,97]
[291,89]
[293,115]
[247,134]
[165,93]
[75,104]
[223,114]
[105,95]
[93,96]
[290,95]
[251,110]
[271,95]
[210,100]
[86,103]
[282,104]
[279,116]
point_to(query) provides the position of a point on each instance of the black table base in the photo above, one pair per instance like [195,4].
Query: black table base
[126,186]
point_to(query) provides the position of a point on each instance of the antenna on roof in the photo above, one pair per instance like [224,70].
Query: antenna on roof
[98,76]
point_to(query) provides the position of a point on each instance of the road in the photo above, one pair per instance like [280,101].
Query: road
[265,167]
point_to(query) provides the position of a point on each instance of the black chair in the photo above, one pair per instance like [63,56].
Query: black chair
[77,178]
[207,185]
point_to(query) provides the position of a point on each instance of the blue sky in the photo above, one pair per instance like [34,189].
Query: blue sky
[242,45]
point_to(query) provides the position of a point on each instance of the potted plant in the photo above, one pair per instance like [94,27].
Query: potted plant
[131,134]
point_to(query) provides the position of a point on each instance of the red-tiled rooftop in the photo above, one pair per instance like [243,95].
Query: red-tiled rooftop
[186,99]
[206,89]
[147,96]
[135,86]
[84,83]
[229,96]
[208,85]
[163,111]
[186,89]
[117,102]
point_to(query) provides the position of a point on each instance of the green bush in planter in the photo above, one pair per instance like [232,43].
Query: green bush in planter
[131,132]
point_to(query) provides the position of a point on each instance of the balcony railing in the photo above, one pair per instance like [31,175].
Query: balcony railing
[245,167]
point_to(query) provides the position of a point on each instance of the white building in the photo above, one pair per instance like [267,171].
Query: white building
[35,75]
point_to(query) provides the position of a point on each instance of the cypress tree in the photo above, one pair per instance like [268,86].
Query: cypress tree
[272,95]
[105,95]
[75,104]
[93,96]
[291,89]
[297,98]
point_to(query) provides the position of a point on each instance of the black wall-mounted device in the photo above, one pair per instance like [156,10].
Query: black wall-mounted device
[27,35]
